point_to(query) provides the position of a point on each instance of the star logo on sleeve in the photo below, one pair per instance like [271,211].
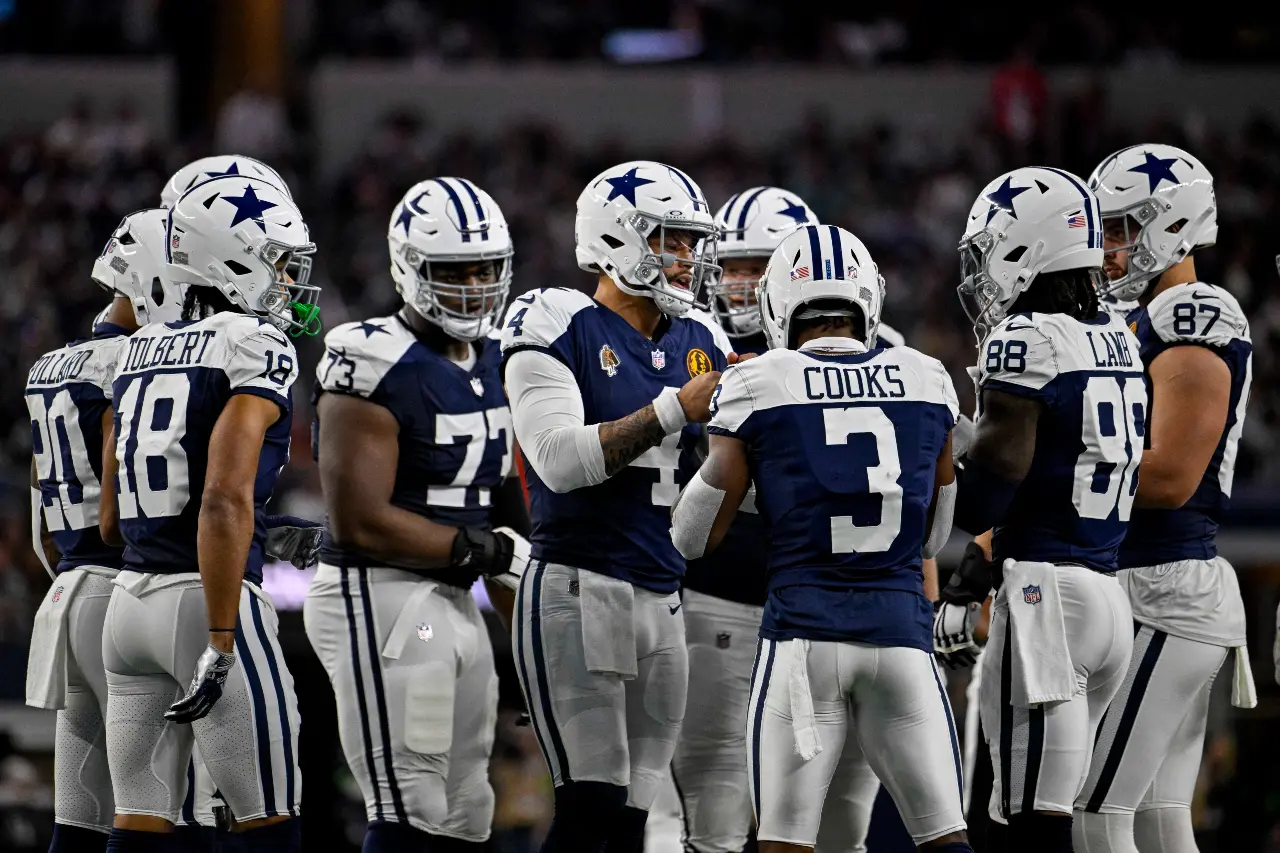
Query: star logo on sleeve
[249,206]
[795,211]
[371,329]
[1002,198]
[1157,169]
[626,186]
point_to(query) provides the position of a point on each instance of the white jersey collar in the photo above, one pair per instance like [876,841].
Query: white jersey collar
[838,344]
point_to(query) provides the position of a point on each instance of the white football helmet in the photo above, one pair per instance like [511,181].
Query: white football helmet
[622,207]
[1168,195]
[133,265]
[220,165]
[241,235]
[450,220]
[818,263]
[751,224]
[1025,222]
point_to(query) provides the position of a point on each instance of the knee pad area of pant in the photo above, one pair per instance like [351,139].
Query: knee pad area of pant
[1040,832]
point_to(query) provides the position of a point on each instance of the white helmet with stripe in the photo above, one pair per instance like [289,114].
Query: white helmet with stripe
[1026,222]
[451,221]
[219,166]
[751,224]
[132,265]
[625,205]
[1164,201]
[819,270]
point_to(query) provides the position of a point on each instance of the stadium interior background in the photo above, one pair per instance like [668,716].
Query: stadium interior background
[886,121]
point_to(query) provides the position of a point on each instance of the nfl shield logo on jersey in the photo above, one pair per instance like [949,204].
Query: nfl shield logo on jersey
[425,633]
[477,386]
[1031,594]
[659,359]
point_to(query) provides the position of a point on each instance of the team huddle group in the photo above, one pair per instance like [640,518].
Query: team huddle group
[711,546]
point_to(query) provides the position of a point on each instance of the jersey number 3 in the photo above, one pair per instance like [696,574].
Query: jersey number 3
[882,479]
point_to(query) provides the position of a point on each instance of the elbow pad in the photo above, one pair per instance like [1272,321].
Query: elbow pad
[943,511]
[982,498]
[693,516]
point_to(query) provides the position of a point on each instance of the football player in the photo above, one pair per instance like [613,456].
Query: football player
[201,430]
[415,449]
[843,665]
[68,397]
[1052,469]
[608,395]
[1158,208]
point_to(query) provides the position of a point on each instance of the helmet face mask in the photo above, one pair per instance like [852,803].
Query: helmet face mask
[442,235]
[734,299]
[979,294]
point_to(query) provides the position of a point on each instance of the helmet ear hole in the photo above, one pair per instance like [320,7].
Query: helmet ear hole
[611,241]
[157,291]
[237,267]
[1015,255]
[1175,227]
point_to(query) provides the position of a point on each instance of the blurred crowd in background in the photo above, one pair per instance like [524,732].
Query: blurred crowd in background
[64,187]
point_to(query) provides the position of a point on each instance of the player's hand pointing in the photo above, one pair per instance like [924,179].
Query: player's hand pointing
[695,396]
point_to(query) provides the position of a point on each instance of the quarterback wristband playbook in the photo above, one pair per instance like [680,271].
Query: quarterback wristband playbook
[670,413]
[982,497]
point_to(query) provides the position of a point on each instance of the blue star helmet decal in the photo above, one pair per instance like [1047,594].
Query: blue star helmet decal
[626,186]
[1157,169]
[1002,198]
[371,329]
[233,169]
[249,206]
[407,210]
[795,211]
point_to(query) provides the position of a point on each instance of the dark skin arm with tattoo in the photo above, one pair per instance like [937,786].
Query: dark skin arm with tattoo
[1005,438]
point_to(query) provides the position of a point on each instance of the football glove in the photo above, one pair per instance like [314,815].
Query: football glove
[489,553]
[293,540]
[510,579]
[206,687]
[972,580]
[953,643]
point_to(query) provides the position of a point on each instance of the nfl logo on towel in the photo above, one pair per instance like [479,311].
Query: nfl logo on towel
[57,593]
[659,359]
[425,633]
[1031,594]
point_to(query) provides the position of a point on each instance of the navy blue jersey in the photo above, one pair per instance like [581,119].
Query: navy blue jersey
[172,383]
[738,569]
[68,392]
[1074,505]
[455,428]
[1195,314]
[620,527]
[842,449]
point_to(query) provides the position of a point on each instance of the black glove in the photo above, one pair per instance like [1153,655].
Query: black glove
[293,540]
[972,580]
[206,687]
[482,551]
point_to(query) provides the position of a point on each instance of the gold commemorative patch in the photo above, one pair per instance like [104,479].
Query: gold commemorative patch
[698,363]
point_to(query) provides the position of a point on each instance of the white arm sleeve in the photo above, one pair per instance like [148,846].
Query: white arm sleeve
[940,532]
[694,515]
[546,407]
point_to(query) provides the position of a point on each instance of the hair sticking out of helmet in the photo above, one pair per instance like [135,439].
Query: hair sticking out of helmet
[648,227]
[451,256]
[750,225]
[1025,223]
[819,271]
[246,239]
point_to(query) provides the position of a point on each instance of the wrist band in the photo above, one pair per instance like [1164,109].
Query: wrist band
[670,413]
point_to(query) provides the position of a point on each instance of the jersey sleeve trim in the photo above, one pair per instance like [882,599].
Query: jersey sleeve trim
[510,352]
[1044,393]
[257,391]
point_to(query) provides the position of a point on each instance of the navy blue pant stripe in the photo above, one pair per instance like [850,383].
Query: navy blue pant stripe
[457,204]
[540,670]
[291,802]
[756,723]
[357,672]
[815,249]
[259,720]
[530,688]
[1035,756]
[1006,720]
[189,802]
[746,208]
[481,219]
[951,730]
[1130,714]
[838,251]
[380,697]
